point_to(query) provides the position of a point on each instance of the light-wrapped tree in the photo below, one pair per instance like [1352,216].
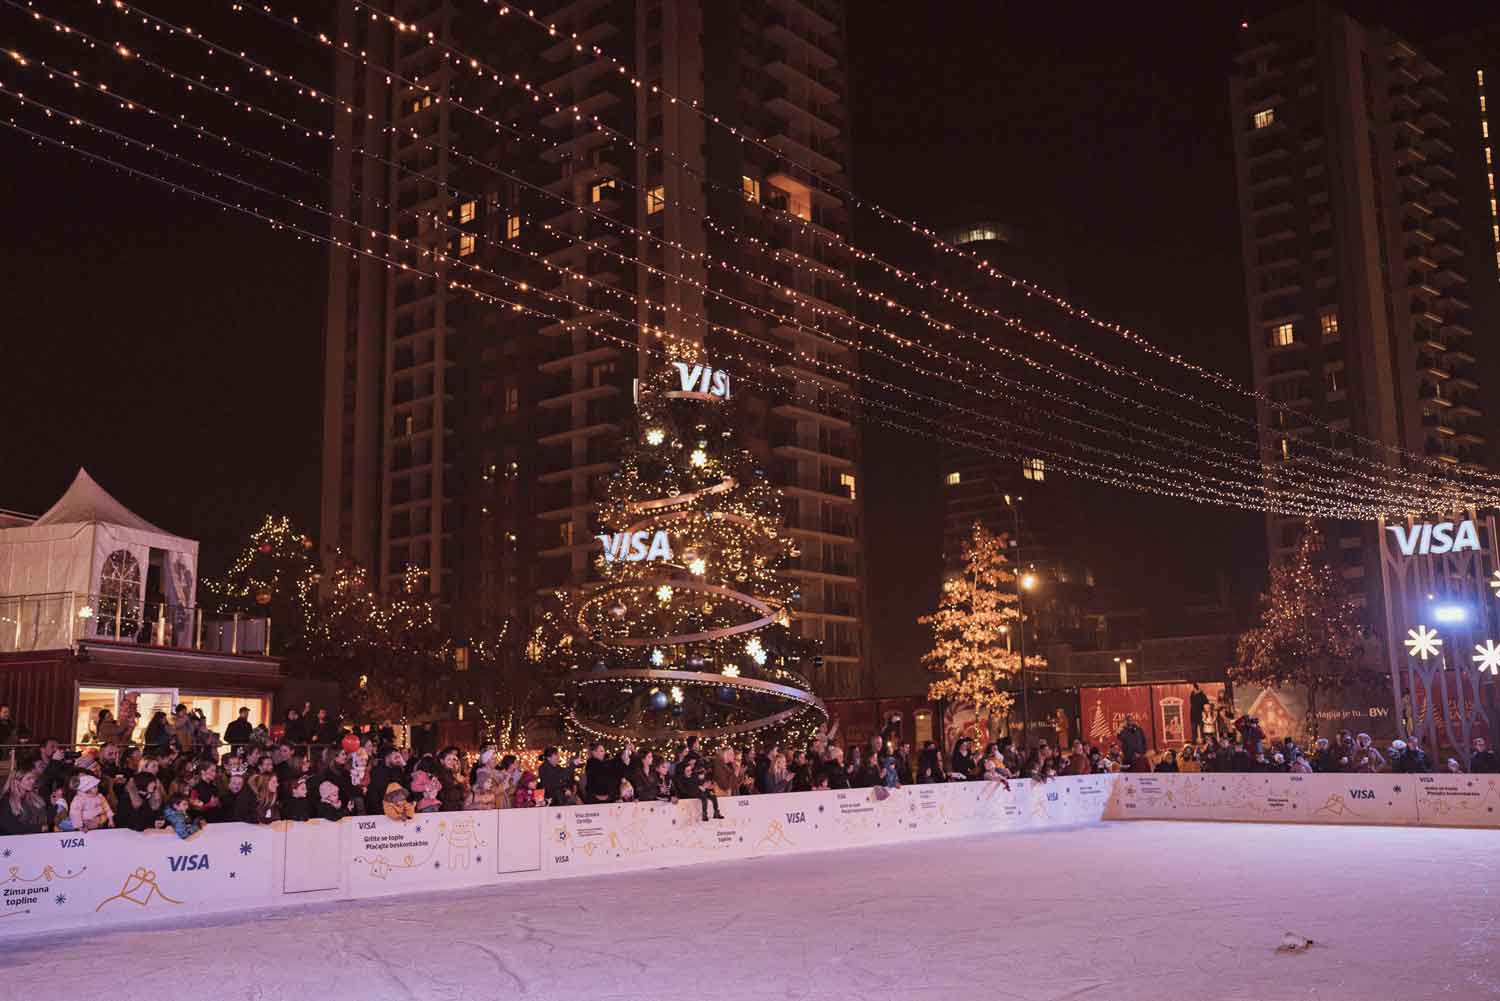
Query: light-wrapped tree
[688,631]
[1308,633]
[977,611]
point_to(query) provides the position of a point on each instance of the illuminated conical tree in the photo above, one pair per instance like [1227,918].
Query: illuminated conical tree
[977,609]
[688,631]
[1308,632]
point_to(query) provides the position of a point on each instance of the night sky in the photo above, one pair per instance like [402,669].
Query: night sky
[175,350]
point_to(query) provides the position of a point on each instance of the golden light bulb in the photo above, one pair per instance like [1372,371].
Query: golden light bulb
[664,593]
[699,458]
[655,436]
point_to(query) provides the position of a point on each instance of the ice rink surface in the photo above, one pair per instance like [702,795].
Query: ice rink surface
[1147,910]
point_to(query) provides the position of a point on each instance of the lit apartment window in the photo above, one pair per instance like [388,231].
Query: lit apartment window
[1286,450]
[466,244]
[598,192]
[1264,118]
[1034,469]
[953,479]
[513,227]
[1281,335]
[656,199]
[1328,321]
[1331,379]
[467,211]
[750,187]
[846,480]
[565,533]
[512,399]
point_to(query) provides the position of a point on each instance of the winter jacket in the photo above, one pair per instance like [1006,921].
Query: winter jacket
[179,822]
[835,774]
[1132,742]
[296,808]
[32,820]
[327,811]
[553,778]
[243,809]
[643,784]
[89,811]
[136,818]
[1078,764]
[688,786]
[454,791]
[1484,762]
[1412,760]
[1365,759]
[238,732]
[726,777]
[157,734]
[599,783]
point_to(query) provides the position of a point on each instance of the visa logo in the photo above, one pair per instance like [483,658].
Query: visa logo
[560,859]
[1361,793]
[71,842]
[1435,539]
[367,825]
[798,817]
[187,863]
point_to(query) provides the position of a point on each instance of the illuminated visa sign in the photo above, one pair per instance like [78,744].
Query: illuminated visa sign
[632,547]
[702,379]
[1435,540]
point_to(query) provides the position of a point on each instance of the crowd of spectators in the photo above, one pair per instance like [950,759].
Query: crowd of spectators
[184,776]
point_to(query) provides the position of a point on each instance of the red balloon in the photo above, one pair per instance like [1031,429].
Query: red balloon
[350,743]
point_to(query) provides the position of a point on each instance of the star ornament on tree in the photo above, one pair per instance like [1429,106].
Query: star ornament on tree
[1487,656]
[1423,642]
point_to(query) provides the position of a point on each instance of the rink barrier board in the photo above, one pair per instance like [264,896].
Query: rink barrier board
[1438,800]
[114,878]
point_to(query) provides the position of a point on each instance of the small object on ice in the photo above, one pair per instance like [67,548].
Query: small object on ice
[1291,942]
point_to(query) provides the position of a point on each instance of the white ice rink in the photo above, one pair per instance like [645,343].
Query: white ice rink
[1159,911]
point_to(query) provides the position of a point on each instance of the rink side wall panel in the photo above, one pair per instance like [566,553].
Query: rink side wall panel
[112,877]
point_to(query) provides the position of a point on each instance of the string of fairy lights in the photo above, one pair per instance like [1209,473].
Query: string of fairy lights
[221,174]
[1160,481]
[1405,502]
[464,59]
[461,58]
[982,265]
[456,55]
[1126,476]
[258,66]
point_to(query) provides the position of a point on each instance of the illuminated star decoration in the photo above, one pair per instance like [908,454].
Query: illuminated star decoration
[1495,583]
[1423,642]
[1487,656]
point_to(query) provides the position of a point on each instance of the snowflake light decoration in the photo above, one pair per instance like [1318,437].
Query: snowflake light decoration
[664,593]
[1495,583]
[1423,642]
[658,657]
[655,436]
[731,671]
[1487,656]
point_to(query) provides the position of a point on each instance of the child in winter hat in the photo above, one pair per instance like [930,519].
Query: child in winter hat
[330,805]
[396,805]
[429,787]
[90,810]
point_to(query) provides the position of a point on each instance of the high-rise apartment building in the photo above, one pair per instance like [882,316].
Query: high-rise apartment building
[470,439]
[1369,254]
[1008,489]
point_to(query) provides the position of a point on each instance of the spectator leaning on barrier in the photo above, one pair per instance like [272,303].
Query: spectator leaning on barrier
[22,810]
[1482,760]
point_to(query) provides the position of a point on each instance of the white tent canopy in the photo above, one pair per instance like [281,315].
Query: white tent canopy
[88,543]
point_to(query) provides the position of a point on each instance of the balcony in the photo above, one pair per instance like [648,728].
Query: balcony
[58,620]
[817,84]
[780,32]
[813,153]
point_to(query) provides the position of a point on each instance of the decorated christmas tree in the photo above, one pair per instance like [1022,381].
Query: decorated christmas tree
[687,632]
[1308,632]
[273,576]
[975,615]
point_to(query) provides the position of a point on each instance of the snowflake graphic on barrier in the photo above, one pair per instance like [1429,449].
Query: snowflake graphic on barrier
[246,848]
[1487,656]
[61,898]
[1423,642]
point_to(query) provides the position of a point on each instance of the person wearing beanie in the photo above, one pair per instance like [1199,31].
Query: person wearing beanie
[89,810]
[330,802]
[428,788]
[395,804]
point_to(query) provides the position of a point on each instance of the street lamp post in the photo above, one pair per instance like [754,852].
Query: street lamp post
[1024,582]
